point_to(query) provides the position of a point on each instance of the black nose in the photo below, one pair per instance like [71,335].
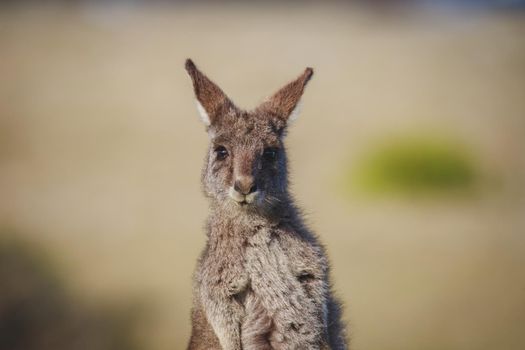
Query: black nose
[245,186]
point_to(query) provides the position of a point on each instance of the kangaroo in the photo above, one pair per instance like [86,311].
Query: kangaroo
[262,280]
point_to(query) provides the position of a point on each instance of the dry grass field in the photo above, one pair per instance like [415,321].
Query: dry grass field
[101,150]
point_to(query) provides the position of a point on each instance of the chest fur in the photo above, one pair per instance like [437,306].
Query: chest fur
[273,278]
[273,264]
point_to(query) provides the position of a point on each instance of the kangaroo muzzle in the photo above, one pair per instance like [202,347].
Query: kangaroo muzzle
[244,190]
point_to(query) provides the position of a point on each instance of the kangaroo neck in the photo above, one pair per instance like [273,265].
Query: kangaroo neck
[240,221]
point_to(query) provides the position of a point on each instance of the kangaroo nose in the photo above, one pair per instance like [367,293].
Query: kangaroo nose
[245,185]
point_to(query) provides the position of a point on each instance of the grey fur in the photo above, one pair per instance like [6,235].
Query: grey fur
[262,281]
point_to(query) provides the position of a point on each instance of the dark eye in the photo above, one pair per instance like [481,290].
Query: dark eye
[221,152]
[270,154]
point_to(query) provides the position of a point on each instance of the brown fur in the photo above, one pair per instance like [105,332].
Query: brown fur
[262,281]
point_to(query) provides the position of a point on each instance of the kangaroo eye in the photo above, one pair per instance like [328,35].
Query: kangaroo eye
[221,152]
[270,154]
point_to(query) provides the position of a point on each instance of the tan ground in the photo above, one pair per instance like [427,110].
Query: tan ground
[101,150]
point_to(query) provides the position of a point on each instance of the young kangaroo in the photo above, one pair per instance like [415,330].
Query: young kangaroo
[262,280]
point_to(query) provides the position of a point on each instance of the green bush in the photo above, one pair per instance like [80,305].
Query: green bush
[415,165]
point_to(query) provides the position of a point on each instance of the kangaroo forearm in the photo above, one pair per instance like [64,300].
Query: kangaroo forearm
[224,316]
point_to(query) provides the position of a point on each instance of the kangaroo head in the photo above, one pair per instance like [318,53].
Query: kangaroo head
[246,162]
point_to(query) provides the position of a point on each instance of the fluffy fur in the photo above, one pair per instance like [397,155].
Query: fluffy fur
[262,281]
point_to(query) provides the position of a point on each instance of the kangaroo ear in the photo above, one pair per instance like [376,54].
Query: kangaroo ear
[211,100]
[284,104]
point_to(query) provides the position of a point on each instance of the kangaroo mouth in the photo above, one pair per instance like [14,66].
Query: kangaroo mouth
[243,200]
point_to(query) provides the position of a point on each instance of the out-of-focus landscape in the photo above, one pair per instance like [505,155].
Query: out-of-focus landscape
[407,160]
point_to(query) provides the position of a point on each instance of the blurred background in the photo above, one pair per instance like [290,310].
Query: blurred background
[407,159]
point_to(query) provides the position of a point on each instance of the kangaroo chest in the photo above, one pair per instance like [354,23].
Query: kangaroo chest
[263,277]
[269,266]
[264,261]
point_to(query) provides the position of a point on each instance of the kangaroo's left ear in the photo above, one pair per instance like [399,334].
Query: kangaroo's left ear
[284,104]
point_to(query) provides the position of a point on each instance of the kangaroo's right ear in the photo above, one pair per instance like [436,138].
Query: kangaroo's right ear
[211,100]
[284,104]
